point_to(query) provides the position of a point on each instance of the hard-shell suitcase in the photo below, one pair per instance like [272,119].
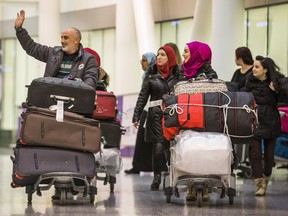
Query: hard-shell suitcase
[31,161]
[111,134]
[106,105]
[39,127]
[281,146]
[78,97]
[284,118]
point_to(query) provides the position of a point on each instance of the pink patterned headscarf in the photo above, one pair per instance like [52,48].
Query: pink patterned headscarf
[199,54]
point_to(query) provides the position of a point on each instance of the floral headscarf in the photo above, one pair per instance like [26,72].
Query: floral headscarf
[166,69]
[199,54]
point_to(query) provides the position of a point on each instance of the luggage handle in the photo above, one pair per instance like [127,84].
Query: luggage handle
[62,98]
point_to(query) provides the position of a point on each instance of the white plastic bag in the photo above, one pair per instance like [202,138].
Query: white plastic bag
[204,153]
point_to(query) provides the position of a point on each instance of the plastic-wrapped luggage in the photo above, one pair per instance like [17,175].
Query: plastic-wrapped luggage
[110,159]
[204,153]
[40,127]
[45,92]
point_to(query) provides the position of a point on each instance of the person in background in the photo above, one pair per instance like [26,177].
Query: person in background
[177,52]
[142,159]
[244,59]
[265,84]
[160,80]
[197,65]
[66,61]
[103,79]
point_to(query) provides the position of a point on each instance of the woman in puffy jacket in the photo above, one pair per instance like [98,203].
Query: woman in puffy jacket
[264,83]
[160,80]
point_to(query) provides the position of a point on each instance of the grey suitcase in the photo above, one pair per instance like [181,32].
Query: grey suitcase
[31,161]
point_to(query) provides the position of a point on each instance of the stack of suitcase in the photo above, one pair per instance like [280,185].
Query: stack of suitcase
[58,137]
[108,160]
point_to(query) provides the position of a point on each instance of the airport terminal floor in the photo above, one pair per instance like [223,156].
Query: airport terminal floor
[132,196]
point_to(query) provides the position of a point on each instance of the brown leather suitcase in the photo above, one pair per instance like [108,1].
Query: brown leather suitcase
[39,127]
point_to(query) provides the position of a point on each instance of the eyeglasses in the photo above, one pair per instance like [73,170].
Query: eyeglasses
[143,60]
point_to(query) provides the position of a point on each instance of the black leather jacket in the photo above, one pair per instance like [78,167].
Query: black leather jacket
[155,86]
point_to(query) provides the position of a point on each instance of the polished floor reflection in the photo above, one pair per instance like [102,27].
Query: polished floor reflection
[132,196]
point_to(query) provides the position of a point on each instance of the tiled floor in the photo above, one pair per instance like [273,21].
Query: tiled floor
[132,196]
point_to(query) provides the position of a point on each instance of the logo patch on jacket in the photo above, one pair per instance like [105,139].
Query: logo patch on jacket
[80,66]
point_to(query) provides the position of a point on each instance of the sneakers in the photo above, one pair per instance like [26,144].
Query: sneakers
[156,182]
[132,171]
[191,194]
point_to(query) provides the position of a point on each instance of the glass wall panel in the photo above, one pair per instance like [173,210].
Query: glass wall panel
[184,32]
[257,31]
[278,36]
[158,27]
[8,106]
[169,30]
[108,55]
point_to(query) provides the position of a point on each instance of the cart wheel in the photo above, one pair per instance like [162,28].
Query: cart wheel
[112,187]
[231,199]
[63,196]
[199,197]
[247,173]
[92,198]
[168,198]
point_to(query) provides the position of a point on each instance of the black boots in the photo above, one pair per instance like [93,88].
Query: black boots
[132,171]
[156,182]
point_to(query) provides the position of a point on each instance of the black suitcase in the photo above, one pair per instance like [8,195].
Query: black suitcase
[111,134]
[78,97]
[31,161]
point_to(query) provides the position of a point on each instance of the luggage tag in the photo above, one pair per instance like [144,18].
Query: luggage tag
[60,111]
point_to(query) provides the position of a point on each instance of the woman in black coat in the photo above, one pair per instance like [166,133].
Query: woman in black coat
[264,83]
[159,81]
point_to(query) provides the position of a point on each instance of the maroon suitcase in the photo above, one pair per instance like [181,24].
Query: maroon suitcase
[106,106]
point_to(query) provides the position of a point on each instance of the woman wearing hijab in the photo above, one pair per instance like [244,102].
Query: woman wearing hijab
[197,65]
[197,61]
[160,80]
[142,159]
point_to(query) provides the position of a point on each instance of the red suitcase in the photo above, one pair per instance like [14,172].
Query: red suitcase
[106,105]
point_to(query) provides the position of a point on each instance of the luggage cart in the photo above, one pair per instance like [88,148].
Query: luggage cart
[64,183]
[178,180]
